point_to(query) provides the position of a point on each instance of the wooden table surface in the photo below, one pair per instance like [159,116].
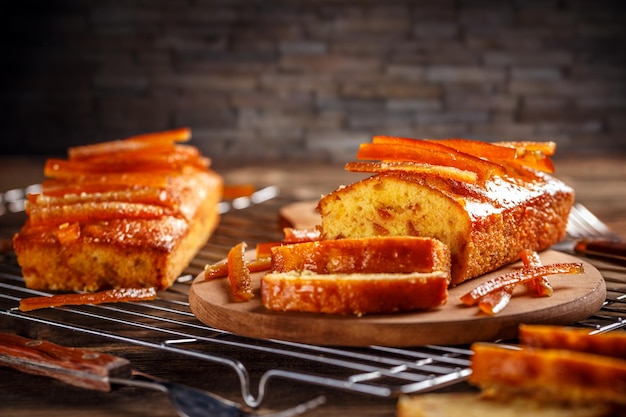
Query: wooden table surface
[600,183]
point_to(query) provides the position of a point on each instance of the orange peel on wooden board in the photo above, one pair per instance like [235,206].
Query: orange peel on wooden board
[497,300]
[523,275]
[239,273]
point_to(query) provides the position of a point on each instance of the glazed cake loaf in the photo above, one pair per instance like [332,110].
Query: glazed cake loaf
[122,214]
[486,224]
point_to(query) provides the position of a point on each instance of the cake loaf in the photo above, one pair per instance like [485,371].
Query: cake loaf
[485,219]
[122,214]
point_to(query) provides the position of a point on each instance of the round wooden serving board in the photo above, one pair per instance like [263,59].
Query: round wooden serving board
[575,298]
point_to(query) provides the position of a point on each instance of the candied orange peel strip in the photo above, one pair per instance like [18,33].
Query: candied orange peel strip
[541,285]
[484,159]
[535,160]
[146,141]
[173,161]
[101,297]
[478,148]
[519,276]
[240,190]
[220,269]
[394,152]
[101,183]
[57,214]
[239,273]
[390,148]
[547,148]
[143,195]
[532,154]
[216,270]
[407,166]
[291,235]
[494,302]
[264,249]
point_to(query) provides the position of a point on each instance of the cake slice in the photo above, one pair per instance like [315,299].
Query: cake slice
[358,276]
[399,254]
[550,375]
[355,294]
[556,371]
[578,339]
[517,383]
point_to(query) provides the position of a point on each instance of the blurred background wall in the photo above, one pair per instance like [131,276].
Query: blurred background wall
[311,79]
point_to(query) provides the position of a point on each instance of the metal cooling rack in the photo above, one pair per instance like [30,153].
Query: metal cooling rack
[167,324]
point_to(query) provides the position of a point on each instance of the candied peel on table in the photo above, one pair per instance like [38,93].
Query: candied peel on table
[101,297]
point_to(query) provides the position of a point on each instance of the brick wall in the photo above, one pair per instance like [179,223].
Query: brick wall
[312,78]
